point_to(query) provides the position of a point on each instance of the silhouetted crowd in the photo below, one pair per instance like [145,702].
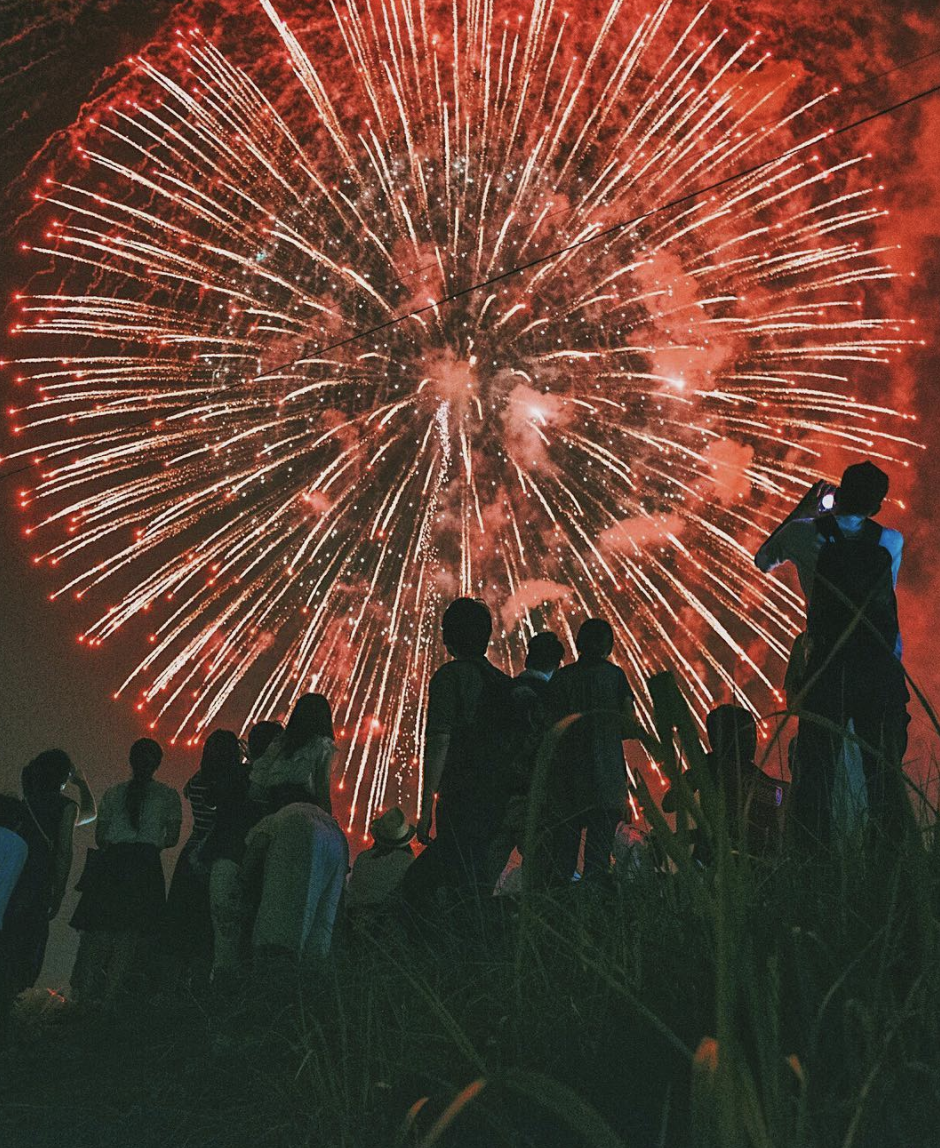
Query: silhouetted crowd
[523,778]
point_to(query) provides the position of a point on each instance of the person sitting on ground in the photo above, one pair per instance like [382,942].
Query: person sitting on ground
[294,868]
[123,893]
[378,872]
[753,801]
[466,761]
[301,755]
[588,788]
[48,828]
[848,566]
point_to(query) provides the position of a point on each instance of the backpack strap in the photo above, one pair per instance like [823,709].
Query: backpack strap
[871,532]
[45,836]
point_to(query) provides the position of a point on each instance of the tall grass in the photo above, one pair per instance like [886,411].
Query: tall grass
[789,1002]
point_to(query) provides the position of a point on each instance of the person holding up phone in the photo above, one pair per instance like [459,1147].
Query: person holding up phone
[849,672]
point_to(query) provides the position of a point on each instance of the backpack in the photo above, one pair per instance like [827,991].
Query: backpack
[852,591]
[482,748]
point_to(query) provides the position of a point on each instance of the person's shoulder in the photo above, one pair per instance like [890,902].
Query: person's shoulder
[620,674]
[499,675]
[314,747]
[449,671]
[892,540]
[13,841]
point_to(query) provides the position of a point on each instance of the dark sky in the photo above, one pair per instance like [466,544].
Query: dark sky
[53,692]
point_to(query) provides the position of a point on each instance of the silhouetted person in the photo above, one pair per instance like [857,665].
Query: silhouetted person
[236,814]
[48,827]
[260,737]
[848,567]
[188,923]
[294,868]
[467,732]
[123,890]
[589,776]
[301,755]
[378,872]
[544,655]
[752,800]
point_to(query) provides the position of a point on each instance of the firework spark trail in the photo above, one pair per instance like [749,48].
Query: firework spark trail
[295,517]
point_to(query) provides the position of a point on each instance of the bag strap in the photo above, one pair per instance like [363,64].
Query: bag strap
[871,532]
[44,834]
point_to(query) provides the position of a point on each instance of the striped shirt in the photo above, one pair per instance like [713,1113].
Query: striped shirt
[196,793]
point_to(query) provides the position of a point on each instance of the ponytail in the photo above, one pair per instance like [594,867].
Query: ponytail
[134,798]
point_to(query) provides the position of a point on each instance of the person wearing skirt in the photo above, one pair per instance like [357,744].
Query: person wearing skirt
[123,892]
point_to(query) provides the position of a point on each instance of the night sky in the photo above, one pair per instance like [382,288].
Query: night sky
[54,692]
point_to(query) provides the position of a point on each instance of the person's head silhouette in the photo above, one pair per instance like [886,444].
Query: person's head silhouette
[311,717]
[862,490]
[145,757]
[261,736]
[466,628]
[732,733]
[595,638]
[47,774]
[545,653]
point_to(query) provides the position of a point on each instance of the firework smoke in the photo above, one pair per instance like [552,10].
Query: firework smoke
[292,504]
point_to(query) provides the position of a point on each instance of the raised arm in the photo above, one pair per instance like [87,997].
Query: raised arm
[770,553]
[62,857]
[87,807]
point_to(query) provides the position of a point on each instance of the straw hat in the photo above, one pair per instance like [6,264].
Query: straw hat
[392,828]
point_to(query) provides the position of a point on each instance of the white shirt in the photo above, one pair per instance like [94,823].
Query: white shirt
[377,876]
[800,542]
[160,817]
[309,766]
[13,850]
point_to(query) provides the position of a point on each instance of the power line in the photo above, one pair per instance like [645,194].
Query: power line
[610,231]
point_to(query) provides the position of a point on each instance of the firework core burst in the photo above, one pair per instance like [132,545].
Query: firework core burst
[257,425]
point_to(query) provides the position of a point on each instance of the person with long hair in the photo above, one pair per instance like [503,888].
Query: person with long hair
[302,755]
[123,888]
[47,827]
[188,924]
[235,815]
